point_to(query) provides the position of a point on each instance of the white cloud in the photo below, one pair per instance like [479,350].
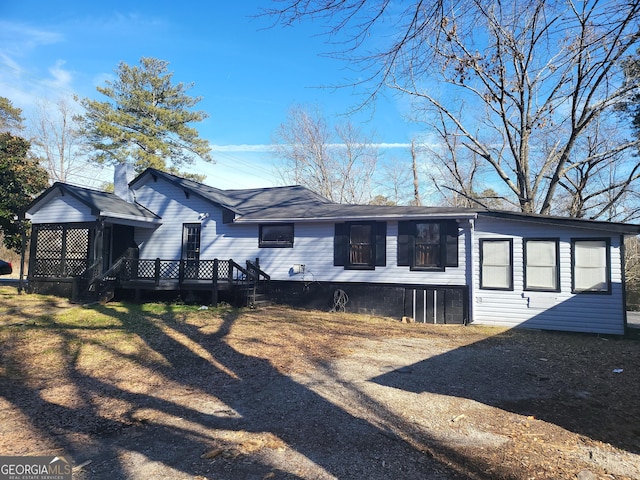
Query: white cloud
[267,148]
[61,78]
[19,38]
[241,148]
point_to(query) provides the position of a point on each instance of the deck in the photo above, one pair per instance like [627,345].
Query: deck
[154,274]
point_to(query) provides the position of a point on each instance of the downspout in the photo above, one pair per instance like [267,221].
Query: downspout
[470,267]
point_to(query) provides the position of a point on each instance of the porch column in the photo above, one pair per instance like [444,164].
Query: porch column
[98,244]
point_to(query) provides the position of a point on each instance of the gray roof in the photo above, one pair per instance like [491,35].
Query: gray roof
[299,204]
[336,211]
[101,203]
[624,228]
[246,201]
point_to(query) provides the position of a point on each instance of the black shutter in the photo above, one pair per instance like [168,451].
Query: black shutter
[381,244]
[340,243]
[404,234]
[451,243]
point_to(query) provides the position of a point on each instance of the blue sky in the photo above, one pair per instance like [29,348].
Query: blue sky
[248,73]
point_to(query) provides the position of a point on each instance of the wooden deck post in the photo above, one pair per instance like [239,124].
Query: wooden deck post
[157,271]
[214,288]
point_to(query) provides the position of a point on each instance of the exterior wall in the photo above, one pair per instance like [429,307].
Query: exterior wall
[175,209]
[584,312]
[63,209]
[312,247]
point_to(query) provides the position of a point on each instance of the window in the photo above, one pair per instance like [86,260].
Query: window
[276,236]
[496,264]
[542,270]
[191,249]
[360,245]
[428,245]
[591,265]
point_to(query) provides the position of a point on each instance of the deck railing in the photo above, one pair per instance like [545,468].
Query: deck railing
[184,271]
[58,267]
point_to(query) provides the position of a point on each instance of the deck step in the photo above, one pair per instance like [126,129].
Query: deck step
[258,300]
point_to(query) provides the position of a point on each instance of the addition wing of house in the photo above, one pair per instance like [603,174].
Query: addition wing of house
[63,203]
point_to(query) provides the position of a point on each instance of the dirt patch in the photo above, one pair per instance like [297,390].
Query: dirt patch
[170,391]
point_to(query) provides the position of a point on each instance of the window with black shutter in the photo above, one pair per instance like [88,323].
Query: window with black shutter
[360,245]
[428,244]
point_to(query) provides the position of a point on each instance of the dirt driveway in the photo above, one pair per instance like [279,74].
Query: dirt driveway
[169,391]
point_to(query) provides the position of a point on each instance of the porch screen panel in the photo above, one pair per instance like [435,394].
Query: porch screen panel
[48,250]
[61,250]
[77,250]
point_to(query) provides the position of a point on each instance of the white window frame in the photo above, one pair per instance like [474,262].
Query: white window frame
[490,267]
[591,265]
[541,266]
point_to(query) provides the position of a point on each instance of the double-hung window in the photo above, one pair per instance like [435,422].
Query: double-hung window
[542,268]
[360,245]
[428,244]
[496,264]
[591,265]
[277,235]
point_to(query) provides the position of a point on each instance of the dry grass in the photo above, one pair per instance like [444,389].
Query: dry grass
[82,373]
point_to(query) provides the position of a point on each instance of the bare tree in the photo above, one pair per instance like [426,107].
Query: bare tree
[414,170]
[56,141]
[520,83]
[393,180]
[601,185]
[336,162]
[632,271]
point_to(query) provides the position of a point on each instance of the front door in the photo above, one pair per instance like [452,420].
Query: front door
[191,249]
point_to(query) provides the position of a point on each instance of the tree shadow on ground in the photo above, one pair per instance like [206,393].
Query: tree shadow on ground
[243,395]
[583,383]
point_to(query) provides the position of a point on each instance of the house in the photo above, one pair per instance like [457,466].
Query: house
[433,264]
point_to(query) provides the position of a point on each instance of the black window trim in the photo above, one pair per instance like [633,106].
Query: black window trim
[510,288]
[372,241]
[378,244]
[607,242]
[406,244]
[276,244]
[526,288]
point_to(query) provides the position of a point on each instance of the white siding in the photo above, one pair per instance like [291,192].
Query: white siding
[313,247]
[590,312]
[63,209]
[313,243]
